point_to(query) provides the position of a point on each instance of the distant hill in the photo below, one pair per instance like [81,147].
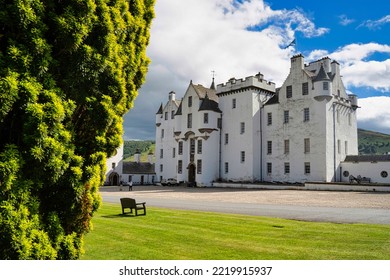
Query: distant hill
[143,146]
[370,143]
[373,143]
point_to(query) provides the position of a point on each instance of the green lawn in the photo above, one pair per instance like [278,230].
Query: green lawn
[165,234]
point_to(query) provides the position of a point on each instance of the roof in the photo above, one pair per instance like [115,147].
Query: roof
[274,99]
[367,158]
[160,110]
[178,111]
[203,91]
[209,105]
[322,75]
[131,167]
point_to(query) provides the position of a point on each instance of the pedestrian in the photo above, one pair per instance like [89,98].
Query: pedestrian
[130,185]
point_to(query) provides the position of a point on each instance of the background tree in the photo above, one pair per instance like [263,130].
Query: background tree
[69,71]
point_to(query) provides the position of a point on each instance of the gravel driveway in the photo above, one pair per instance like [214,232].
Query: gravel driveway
[350,207]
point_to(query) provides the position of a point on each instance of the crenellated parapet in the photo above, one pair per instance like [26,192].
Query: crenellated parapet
[249,83]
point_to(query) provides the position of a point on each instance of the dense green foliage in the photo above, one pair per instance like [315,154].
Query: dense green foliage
[130,147]
[371,143]
[69,70]
[194,235]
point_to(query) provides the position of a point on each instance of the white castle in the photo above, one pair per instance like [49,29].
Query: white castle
[246,130]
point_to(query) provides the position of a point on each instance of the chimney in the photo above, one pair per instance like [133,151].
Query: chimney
[137,156]
[297,62]
[335,68]
[150,157]
[172,96]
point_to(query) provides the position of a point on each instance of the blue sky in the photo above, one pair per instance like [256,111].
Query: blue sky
[191,38]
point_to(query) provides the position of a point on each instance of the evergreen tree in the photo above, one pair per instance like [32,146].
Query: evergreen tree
[69,71]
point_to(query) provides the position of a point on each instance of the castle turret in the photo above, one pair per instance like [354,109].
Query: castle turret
[323,88]
[159,115]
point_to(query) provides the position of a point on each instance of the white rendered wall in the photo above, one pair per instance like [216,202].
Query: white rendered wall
[165,141]
[371,170]
[118,160]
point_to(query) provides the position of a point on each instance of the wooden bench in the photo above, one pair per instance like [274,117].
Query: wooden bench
[131,204]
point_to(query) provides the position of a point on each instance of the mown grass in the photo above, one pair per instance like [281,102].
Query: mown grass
[165,234]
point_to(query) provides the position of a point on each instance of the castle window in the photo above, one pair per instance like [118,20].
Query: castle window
[242,128]
[206,118]
[286,168]
[286,146]
[226,138]
[189,101]
[192,146]
[199,146]
[173,152]
[269,167]
[306,145]
[242,156]
[161,153]
[306,114]
[307,167]
[286,116]
[226,167]
[325,86]
[234,103]
[180,148]
[288,91]
[269,118]
[162,133]
[269,147]
[305,88]
[199,166]
[113,165]
[172,114]
[180,166]
[189,121]
[161,168]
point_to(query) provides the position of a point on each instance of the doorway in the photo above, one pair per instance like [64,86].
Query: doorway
[191,174]
[114,179]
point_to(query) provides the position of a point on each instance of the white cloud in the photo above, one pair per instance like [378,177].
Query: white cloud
[191,38]
[376,24]
[357,68]
[374,74]
[374,113]
[344,20]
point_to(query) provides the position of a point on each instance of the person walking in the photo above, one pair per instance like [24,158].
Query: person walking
[130,185]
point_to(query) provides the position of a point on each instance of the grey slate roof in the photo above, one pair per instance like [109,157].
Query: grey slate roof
[203,91]
[322,75]
[368,158]
[179,110]
[160,110]
[137,168]
[209,105]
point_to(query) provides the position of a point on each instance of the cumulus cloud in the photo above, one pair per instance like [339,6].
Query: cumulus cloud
[191,38]
[374,113]
[358,69]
